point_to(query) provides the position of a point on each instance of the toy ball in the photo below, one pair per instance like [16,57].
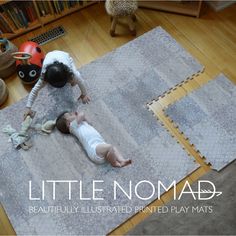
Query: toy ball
[29,61]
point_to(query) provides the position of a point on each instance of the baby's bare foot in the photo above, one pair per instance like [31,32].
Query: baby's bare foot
[126,162]
[116,164]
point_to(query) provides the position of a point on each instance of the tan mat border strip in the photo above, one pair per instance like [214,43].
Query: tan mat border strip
[174,94]
[158,106]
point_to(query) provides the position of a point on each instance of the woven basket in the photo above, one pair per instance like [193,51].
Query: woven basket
[7,62]
[3,92]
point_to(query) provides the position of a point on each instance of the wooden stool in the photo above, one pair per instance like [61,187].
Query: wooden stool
[3,92]
[119,9]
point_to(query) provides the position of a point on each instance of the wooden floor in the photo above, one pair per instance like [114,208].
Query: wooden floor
[211,39]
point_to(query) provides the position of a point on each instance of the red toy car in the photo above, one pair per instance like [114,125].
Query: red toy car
[29,61]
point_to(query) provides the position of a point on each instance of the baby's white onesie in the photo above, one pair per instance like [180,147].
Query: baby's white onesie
[89,138]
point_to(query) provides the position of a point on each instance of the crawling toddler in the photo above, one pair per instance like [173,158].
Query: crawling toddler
[96,148]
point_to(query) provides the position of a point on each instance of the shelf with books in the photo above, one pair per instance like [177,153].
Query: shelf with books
[73,9]
[18,17]
[65,10]
[31,26]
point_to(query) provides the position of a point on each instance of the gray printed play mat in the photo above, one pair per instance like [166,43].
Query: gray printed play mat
[207,117]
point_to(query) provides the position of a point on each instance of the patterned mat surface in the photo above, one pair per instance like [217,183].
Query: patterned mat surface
[207,118]
[120,84]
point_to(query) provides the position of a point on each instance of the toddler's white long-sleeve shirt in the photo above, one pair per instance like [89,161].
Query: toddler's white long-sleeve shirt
[50,58]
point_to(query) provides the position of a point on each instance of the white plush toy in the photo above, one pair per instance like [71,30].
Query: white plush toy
[21,139]
[46,127]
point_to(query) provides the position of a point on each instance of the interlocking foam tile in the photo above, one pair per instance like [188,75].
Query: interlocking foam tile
[207,118]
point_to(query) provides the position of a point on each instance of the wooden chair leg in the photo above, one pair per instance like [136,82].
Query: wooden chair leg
[113,26]
[131,25]
[134,18]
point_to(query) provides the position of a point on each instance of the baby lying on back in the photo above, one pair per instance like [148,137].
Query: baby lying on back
[95,146]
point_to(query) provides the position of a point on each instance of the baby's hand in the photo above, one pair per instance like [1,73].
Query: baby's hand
[80,117]
[85,99]
[29,112]
[72,82]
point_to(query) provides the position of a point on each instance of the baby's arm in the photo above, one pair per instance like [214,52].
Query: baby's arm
[80,117]
[34,92]
[32,96]
[77,79]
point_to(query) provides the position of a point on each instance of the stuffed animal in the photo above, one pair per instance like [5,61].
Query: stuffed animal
[119,8]
[20,139]
[122,8]
[46,127]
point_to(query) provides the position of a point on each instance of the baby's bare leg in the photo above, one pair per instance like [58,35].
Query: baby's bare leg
[112,155]
[103,150]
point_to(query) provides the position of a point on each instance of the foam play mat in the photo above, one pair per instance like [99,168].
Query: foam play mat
[120,84]
[207,118]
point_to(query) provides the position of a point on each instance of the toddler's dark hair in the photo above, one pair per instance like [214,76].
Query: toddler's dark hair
[61,123]
[57,74]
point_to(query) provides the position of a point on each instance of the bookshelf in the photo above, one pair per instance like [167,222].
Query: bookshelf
[191,8]
[19,17]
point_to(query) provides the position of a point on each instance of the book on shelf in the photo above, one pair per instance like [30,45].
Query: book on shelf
[9,21]
[14,20]
[43,7]
[29,11]
[23,18]
[60,6]
[31,14]
[18,17]
[5,27]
